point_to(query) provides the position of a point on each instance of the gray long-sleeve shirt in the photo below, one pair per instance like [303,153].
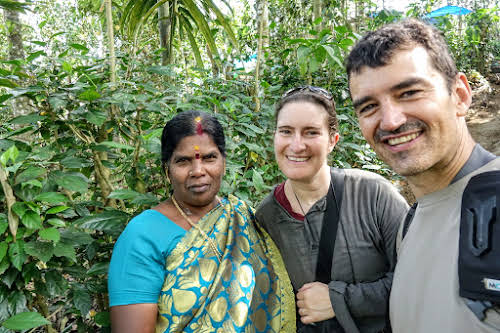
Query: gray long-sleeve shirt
[363,259]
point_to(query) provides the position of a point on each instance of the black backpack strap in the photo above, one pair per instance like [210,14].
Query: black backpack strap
[409,218]
[330,226]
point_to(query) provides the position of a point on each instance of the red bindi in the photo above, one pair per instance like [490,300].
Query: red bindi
[199,128]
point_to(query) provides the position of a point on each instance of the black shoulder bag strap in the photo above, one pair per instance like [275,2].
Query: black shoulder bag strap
[330,226]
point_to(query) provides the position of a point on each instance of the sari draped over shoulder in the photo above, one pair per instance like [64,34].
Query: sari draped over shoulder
[248,291]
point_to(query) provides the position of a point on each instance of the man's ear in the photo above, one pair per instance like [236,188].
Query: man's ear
[463,94]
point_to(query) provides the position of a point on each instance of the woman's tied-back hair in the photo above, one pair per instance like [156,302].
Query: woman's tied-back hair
[186,124]
[314,95]
[377,48]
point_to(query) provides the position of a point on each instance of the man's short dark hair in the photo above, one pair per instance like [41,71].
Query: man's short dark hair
[377,48]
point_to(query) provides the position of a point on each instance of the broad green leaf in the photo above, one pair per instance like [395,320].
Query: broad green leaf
[75,237]
[95,117]
[25,321]
[103,319]
[117,145]
[9,277]
[32,182]
[4,264]
[82,301]
[51,197]
[73,182]
[109,221]
[27,119]
[57,102]
[40,250]
[89,95]
[65,250]
[145,199]
[35,55]
[3,250]
[4,97]
[26,91]
[32,172]
[99,268]
[303,53]
[31,219]
[72,162]
[4,224]
[56,222]
[156,133]
[39,42]
[79,47]
[31,272]
[333,56]
[51,234]
[17,302]
[161,70]
[56,284]
[57,209]
[314,64]
[10,154]
[19,208]
[124,194]
[67,67]
[7,83]
[17,255]
[253,128]
[257,180]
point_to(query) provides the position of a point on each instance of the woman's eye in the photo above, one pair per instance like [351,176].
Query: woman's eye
[181,160]
[210,158]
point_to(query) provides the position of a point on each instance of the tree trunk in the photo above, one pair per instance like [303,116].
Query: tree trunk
[164,22]
[111,40]
[15,37]
[261,20]
[21,105]
[10,200]
[317,14]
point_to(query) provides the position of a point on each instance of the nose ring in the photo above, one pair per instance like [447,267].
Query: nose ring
[190,173]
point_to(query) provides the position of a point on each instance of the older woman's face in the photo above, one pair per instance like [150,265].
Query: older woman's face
[195,170]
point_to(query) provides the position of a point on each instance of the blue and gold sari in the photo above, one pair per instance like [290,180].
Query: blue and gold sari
[248,291]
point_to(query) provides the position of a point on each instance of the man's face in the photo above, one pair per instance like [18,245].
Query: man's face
[407,114]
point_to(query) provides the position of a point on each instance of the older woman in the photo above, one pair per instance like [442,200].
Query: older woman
[335,228]
[197,262]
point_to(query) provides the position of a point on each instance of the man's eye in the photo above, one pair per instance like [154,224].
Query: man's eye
[284,131]
[409,93]
[366,108]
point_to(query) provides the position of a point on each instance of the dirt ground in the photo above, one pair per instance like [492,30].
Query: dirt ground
[483,118]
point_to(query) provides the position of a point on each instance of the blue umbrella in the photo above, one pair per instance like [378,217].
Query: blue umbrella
[452,10]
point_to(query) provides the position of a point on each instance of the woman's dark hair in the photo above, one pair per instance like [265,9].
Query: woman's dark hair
[315,95]
[184,124]
[377,48]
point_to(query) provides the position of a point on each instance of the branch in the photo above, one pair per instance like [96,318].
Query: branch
[11,200]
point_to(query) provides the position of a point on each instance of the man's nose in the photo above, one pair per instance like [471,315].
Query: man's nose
[393,116]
